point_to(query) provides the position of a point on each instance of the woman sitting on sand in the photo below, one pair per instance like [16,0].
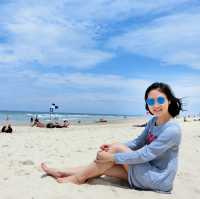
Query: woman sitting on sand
[39,124]
[7,129]
[148,162]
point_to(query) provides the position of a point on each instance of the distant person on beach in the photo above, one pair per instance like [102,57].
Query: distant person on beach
[31,120]
[148,162]
[7,129]
[40,124]
[36,119]
[37,123]
[51,124]
[185,119]
[101,120]
[140,125]
[58,125]
[66,124]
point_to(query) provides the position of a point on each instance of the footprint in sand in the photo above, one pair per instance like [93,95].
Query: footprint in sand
[27,162]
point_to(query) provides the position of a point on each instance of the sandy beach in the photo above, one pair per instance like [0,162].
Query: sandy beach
[23,151]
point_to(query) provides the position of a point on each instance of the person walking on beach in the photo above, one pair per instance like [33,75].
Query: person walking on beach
[148,162]
[31,120]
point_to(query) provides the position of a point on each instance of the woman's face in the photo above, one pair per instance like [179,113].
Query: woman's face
[157,103]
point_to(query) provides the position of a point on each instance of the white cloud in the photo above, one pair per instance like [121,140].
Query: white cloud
[183,85]
[66,34]
[106,10]
[40,33]
[82,81]
[89,92]
[73,92]
[63,33]
[173,39]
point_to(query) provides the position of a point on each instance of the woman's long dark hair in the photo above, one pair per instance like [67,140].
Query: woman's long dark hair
[175,105]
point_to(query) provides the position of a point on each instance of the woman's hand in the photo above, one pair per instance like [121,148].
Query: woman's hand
[112,148]
[103,157]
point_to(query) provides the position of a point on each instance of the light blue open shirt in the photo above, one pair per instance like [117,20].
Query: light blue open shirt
[153,166]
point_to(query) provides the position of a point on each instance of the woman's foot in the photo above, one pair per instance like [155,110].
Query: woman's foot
[52,172]
[70,179]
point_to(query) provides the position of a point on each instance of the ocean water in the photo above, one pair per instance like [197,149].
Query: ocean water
[23,117]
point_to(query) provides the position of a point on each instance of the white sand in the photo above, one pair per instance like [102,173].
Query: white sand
[24,150]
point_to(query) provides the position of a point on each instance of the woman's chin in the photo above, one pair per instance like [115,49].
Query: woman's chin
[157,114]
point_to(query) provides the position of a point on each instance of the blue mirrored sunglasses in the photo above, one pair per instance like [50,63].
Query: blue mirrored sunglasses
[151,101]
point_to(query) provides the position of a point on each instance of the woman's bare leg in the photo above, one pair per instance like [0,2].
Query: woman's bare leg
[52,172]
[92,170]
[117,171]
[96,169]
[81,174]
[61,173]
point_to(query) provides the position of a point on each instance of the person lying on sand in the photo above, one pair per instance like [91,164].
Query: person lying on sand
[51,124]
[64,125]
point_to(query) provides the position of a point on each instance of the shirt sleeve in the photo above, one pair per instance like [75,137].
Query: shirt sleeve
[169,138]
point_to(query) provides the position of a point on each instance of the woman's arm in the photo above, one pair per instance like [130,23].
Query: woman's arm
[170,137]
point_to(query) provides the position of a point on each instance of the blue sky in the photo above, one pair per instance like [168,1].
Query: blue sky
[97,56]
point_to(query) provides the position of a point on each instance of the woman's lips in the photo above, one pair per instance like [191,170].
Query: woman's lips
[157,110]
